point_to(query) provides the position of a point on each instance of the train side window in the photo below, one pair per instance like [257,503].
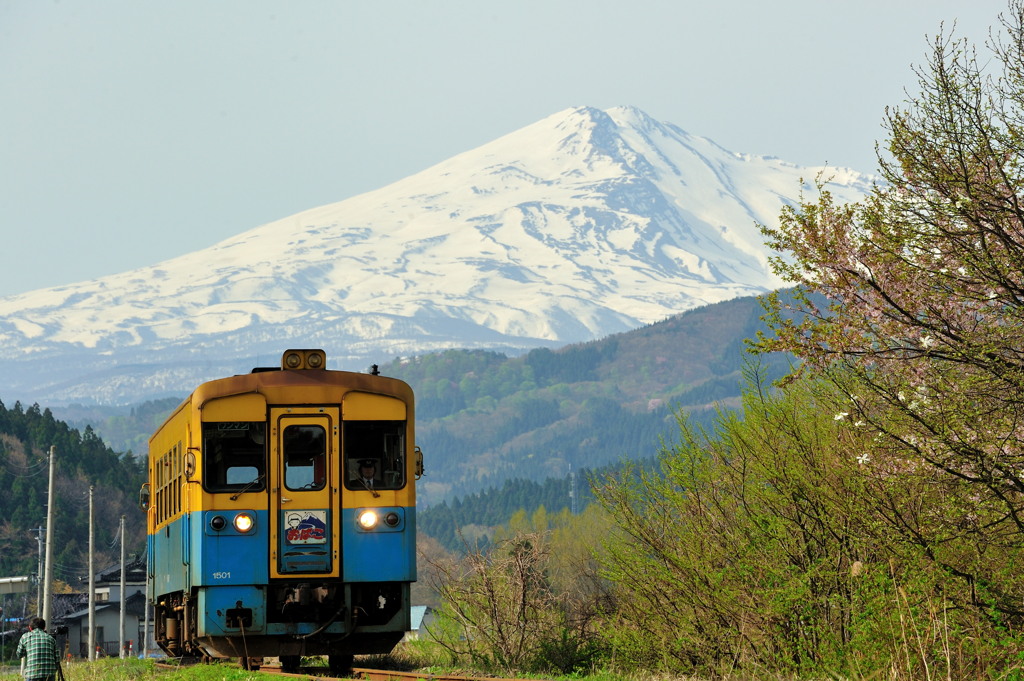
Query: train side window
[234,456]
[305,457]
[374,454]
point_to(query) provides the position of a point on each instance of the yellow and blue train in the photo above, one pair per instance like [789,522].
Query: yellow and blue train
[281,515]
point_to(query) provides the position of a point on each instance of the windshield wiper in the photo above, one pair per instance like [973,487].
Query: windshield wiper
[374,492]
[258,480]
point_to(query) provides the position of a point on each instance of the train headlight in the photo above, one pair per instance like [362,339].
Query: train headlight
[367,519]
[218,523]
[391,519]
[244,522]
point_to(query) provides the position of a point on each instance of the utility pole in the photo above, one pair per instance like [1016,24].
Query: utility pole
[39,571]
[47,584]
[144,643]
[92,582]
[120,632]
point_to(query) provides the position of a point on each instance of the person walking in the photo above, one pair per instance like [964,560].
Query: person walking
[42,662]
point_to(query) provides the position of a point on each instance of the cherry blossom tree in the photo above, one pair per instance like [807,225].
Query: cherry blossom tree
[913,301]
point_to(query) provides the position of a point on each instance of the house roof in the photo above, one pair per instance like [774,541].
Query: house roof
[61,605]
[135,605]
[135,573]
[85,613]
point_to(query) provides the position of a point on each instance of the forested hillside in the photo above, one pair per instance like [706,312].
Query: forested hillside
[126,429]
[82,459]
[484,418]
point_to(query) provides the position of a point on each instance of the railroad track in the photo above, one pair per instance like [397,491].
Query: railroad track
[381,675]
[322,674]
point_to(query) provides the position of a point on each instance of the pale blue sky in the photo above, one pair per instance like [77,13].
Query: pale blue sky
[135,131]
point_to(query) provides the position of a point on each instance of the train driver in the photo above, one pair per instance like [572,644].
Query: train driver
[367,472]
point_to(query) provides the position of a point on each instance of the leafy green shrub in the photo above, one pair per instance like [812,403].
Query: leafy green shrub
[774,545]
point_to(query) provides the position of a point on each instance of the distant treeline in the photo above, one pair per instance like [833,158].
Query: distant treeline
[468,522]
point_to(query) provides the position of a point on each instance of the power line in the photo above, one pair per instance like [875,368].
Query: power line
[30,471]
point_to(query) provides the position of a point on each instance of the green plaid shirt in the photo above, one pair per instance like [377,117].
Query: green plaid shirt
[40,649]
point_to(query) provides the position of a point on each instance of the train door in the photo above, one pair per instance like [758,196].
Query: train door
[304,484]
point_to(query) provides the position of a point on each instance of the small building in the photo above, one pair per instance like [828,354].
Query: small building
[421,617]
[107,619]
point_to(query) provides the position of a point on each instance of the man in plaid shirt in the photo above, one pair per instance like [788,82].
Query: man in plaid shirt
[40,650]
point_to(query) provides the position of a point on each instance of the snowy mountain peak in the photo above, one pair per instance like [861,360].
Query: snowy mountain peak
[583,224]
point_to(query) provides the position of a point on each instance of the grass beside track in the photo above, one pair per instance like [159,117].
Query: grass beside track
[144,670]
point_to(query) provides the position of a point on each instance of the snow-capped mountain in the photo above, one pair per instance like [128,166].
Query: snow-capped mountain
[583,224]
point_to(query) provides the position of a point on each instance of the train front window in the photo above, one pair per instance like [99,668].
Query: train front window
[234,456]
[374,454]
[305,457]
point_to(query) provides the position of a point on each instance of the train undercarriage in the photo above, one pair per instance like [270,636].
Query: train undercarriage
[304,618]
